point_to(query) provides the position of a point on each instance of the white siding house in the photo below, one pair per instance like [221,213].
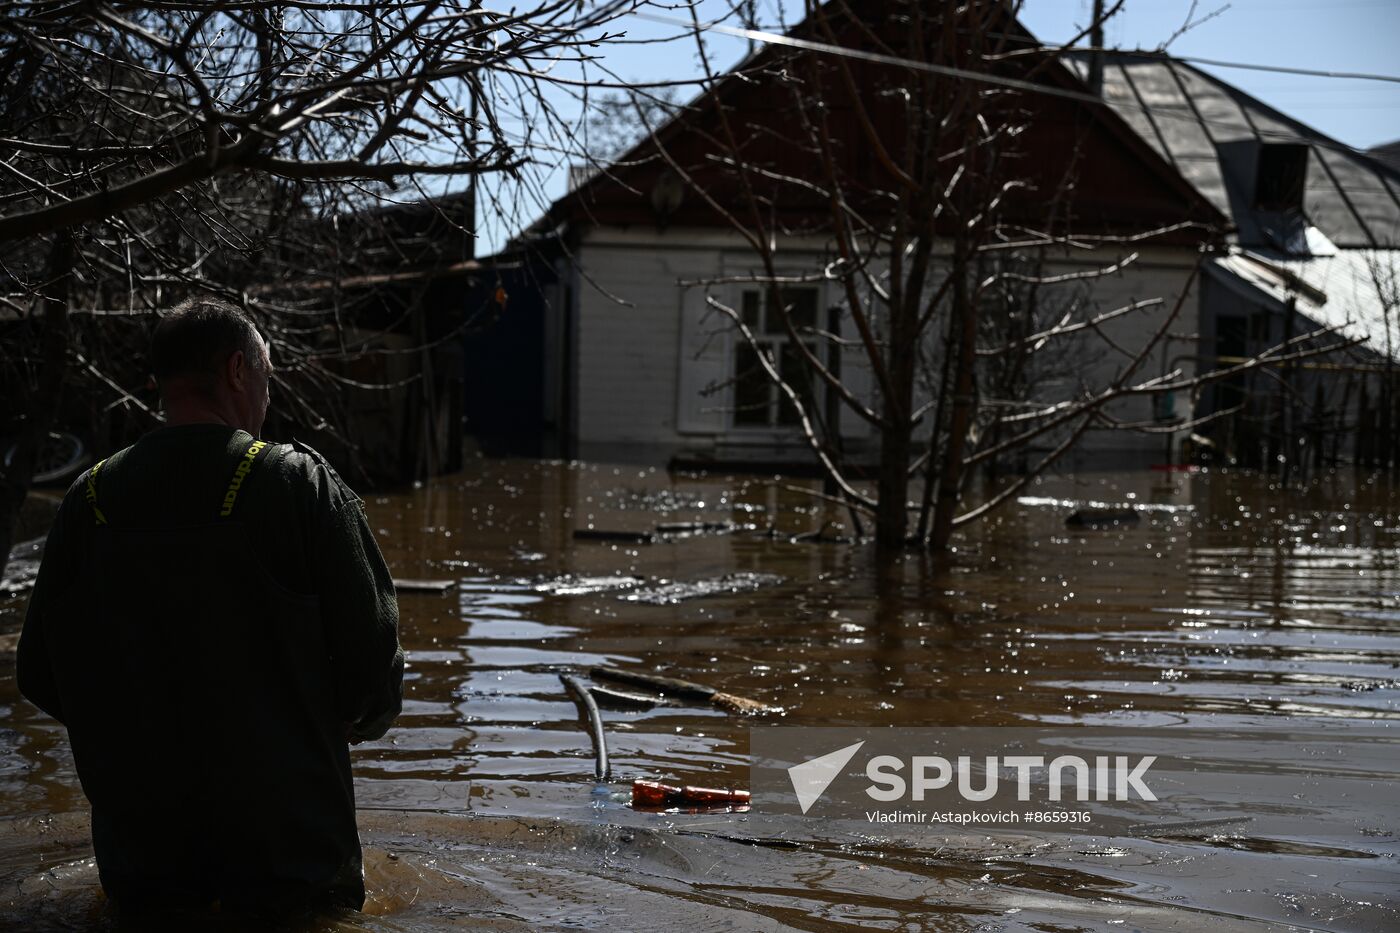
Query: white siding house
[659,369]
[644,368]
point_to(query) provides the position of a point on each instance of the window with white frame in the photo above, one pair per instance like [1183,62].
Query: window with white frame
[758,402]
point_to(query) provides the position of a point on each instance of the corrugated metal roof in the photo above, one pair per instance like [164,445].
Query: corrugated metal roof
[1188,116]
[1389,153]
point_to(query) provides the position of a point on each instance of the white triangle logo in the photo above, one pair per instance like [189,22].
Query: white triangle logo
[811,778]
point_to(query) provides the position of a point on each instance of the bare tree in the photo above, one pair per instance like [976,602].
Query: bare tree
[616,120]
[941,152]
[150,151]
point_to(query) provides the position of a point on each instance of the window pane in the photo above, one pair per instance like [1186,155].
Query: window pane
[749,309]
[752,388]
[798,376]
[801,304]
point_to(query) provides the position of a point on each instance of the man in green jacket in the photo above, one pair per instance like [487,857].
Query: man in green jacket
[213,623]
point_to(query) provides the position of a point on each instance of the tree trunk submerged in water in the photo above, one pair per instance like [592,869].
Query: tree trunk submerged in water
[18,476]
[963,327]
[892,517]
[897,437]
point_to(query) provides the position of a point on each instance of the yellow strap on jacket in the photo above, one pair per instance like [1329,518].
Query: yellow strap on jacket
[240,473]
[90,493]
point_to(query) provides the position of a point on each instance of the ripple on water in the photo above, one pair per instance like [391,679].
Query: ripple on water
[1230,606]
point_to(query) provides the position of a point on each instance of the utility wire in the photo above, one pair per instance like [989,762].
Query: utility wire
[1279,69]
[776,38]
[773,38]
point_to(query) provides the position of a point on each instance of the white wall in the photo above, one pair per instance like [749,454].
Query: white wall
[627,352]
[1157,274]
[634,402]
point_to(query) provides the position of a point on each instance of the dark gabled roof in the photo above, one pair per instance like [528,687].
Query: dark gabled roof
[1134,188]
[1206,128]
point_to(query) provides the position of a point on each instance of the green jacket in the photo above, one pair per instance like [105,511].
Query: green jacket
[211,620]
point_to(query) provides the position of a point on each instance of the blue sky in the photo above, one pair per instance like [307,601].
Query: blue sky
[1326,35]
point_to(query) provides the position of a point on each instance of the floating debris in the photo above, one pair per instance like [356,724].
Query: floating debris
[668,593]
[653,795]
[1103,518]
[620,537]
[423,586]
[575,585]
[684,690]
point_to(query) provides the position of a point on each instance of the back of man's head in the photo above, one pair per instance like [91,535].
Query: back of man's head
[193,342]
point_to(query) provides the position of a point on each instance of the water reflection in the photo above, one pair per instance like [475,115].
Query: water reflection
[1228,603]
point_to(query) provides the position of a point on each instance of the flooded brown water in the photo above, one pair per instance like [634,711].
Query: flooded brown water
[1230,604]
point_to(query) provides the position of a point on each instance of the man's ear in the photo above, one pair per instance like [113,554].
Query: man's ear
[236,369]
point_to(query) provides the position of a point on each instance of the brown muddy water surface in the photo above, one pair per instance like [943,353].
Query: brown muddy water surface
[1230,605]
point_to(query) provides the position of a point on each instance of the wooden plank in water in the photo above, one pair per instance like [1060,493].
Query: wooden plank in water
[685,689]
[626,699]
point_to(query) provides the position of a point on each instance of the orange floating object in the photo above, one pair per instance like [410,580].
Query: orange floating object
[653,795]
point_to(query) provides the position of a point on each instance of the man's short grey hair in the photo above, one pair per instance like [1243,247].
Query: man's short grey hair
[196,337]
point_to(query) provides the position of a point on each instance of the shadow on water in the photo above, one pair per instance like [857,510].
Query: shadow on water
[1229,604]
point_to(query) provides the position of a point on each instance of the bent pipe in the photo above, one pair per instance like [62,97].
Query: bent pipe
[586,704]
